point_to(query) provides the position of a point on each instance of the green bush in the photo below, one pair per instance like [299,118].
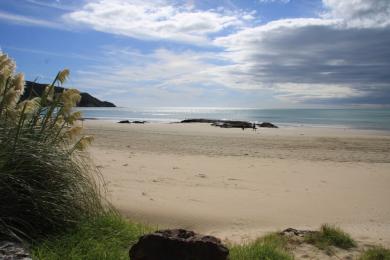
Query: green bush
[105,237]
[270,247]
[47,183]
[330,236]
[376,253]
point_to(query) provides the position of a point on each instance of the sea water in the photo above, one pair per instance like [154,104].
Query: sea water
[378,119]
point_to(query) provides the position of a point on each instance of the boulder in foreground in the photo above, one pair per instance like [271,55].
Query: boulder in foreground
[178,244]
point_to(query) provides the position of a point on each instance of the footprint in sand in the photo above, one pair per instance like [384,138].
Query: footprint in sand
[201,175]
[126,164]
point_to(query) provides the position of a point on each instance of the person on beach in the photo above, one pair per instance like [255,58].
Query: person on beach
[254,127]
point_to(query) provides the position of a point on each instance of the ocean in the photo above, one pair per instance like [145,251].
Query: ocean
[375,119]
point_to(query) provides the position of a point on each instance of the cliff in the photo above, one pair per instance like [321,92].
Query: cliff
[33,89]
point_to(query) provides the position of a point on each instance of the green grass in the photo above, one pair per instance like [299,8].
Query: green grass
[376,253]
[106,237]
[110,237]
[44,189]
[270,247]
[329,235]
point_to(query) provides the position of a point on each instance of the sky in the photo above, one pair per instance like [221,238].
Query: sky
[209,53]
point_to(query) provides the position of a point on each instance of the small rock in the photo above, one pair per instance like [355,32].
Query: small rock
[296,232]
[178,244]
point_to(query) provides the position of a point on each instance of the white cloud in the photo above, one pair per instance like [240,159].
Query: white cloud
[359,13]
[299,93]
[342,54]
[157,20]
[25,20]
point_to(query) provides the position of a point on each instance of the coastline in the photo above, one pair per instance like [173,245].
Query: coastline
[241,184]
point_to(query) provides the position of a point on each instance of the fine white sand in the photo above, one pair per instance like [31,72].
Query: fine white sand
[241,184]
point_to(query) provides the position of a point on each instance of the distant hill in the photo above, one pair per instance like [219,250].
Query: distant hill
[33,89]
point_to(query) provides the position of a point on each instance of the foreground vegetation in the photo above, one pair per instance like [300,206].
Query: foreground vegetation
[376,253]
[47,184]
[330,236]
[106,237]
[272,246]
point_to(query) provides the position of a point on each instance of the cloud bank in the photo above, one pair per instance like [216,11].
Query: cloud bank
[155,20]
[339,56]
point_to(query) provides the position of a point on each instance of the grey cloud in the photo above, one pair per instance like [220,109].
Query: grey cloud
[316,52]
[360,13]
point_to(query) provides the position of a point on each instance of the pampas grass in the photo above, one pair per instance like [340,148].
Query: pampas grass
[47,182]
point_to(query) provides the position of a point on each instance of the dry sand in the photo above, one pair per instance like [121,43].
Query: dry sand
[241,184]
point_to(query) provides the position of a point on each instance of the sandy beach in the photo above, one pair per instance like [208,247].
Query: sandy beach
[238,184]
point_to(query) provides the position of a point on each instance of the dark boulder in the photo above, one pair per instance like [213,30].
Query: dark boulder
[267,124]
[139,122]
[235,124]
[124,122]
[200,120]
[178,244]
[220,123]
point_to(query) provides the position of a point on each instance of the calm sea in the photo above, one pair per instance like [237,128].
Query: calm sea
[378,119]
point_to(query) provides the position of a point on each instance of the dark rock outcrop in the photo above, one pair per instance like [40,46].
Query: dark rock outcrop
[221,123]
[132,122]
[267,124]
[178,244]
[200,120]
[233,124]
[33,89]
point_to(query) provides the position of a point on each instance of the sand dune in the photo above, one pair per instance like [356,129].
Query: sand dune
[241,184]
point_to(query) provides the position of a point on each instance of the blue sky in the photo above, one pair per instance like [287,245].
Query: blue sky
[226,53]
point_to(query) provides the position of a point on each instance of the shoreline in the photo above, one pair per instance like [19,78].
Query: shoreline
[241,184]
[284,127]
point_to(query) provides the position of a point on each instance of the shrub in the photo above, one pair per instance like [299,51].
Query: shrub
[46,182]
[330,236]
[376,253]
[270,247]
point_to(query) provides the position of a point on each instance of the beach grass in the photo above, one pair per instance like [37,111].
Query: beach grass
[376,253]
[47,183]
[330,235]
[44,189]
[111,236]
[269,247]
[105,237]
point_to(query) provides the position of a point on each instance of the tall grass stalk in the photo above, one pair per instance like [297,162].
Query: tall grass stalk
[47,183]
